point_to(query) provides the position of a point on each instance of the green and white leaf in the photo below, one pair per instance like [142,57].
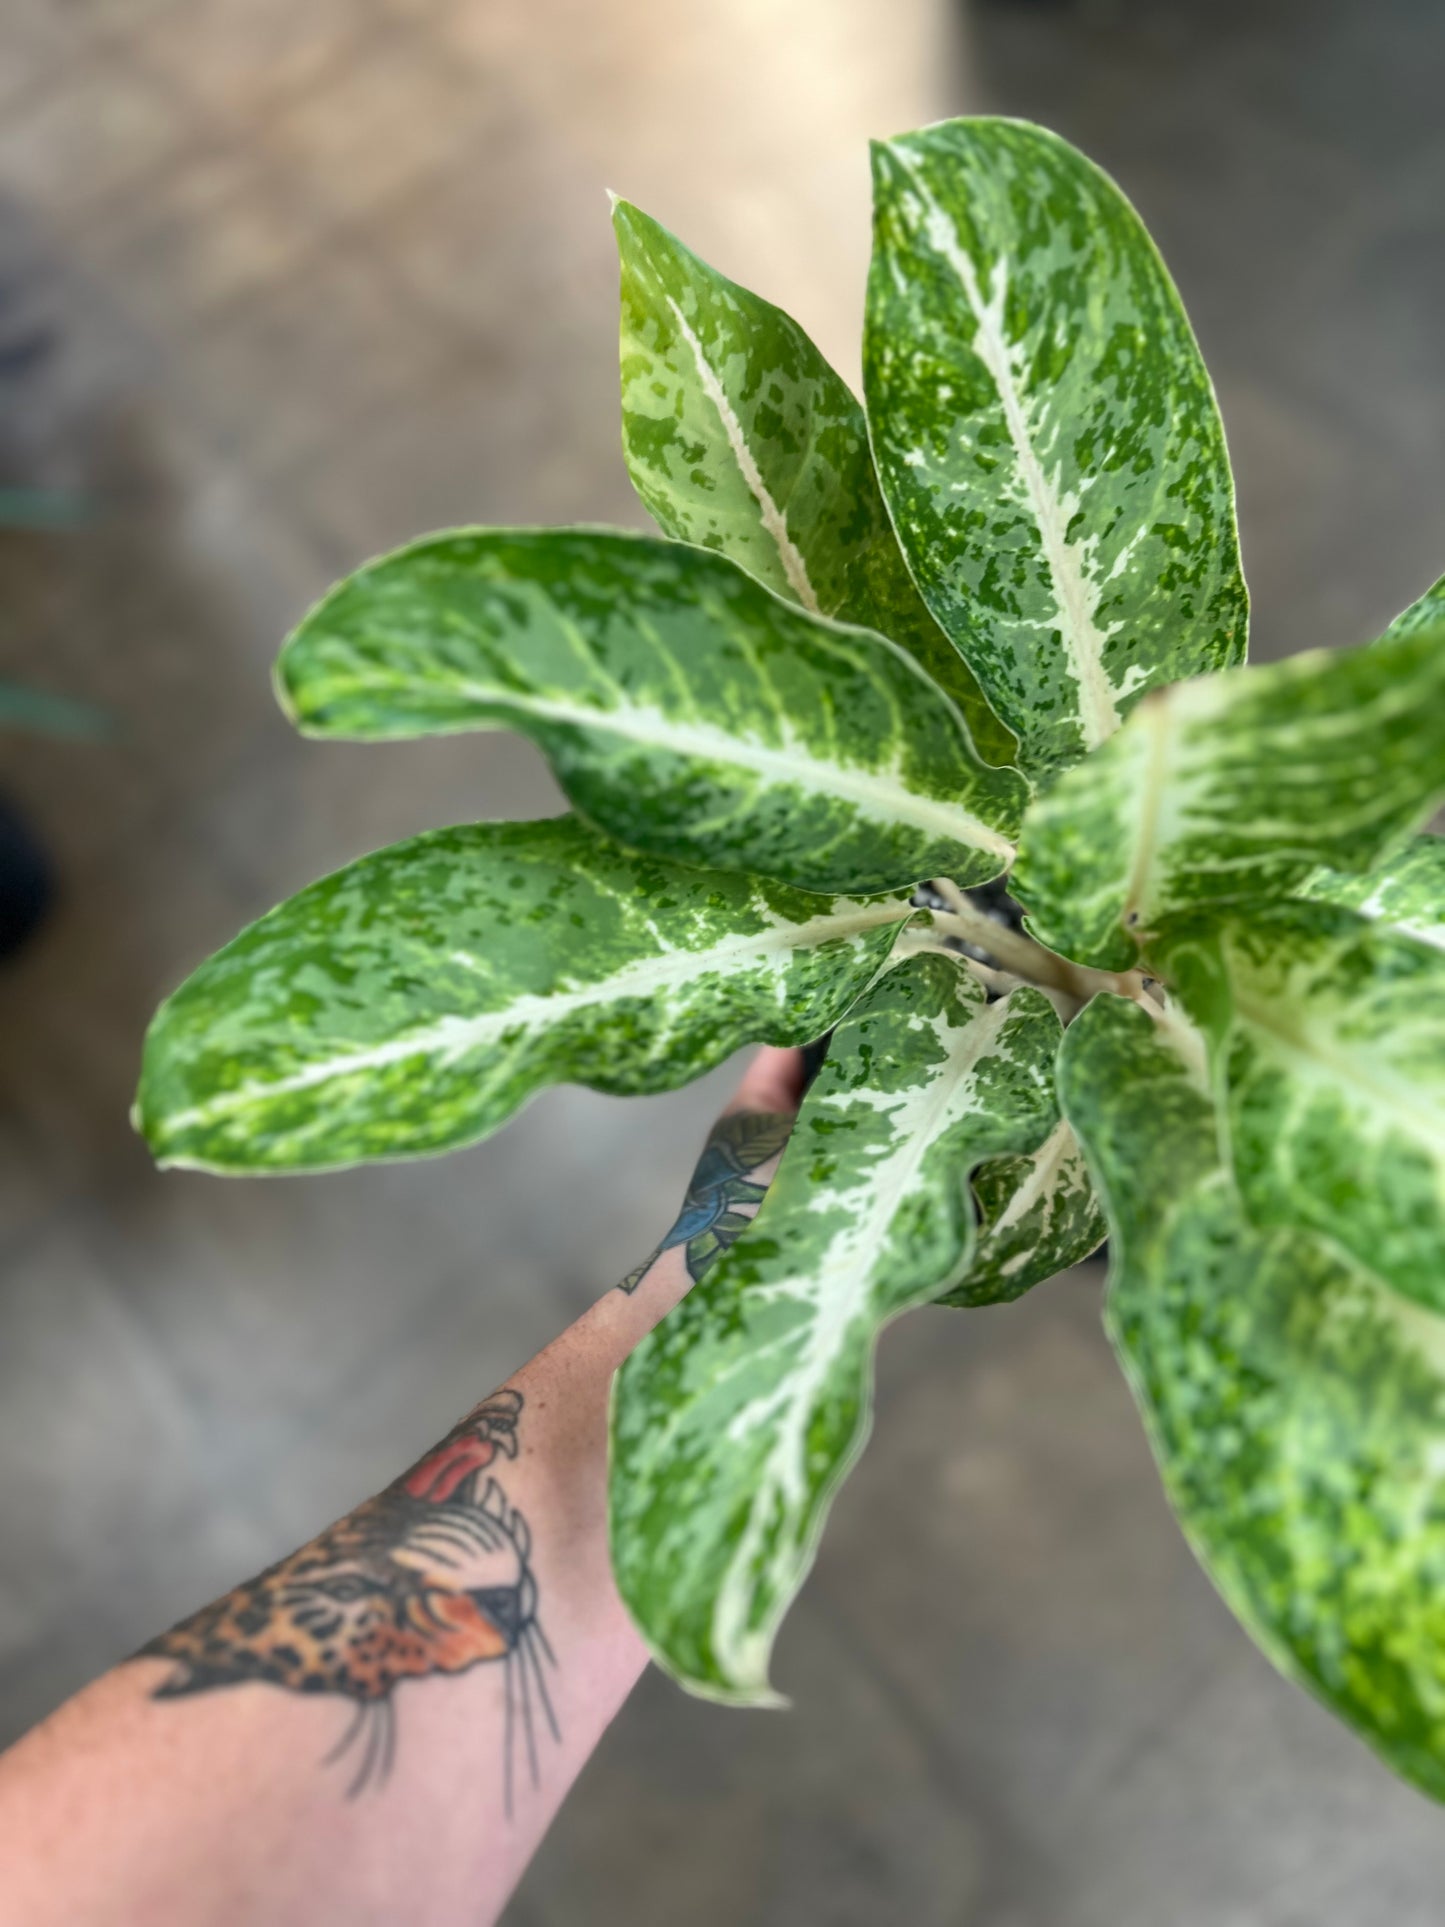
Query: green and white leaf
[1233,786]
[1406,891]
[1037,1215]
[735,1421]
[413,1001]
[1425,612]
[1327,1038]
[1045,432]
[685,709]
[1296,1408]
[741,438]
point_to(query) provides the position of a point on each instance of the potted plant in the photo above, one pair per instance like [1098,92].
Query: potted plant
[926,725]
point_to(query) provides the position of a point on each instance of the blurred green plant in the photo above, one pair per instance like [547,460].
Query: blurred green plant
[35,711]
[40,508]
[990,628]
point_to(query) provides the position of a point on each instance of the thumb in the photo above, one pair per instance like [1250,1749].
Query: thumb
[773,1081]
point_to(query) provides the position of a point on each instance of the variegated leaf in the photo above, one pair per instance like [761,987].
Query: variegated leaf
[1234,786]
[685,709]
[1406,891]
[1296,1408]
[735,1421]
[1327,1036]
[1425,612]
[411,1002]
[741,438]
[1037,1215]
[1045,432]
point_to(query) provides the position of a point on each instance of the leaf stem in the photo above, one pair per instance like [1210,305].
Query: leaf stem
[1071,985]
[1021,955]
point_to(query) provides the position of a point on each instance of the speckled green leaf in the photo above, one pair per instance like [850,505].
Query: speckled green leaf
[685,709]
[734,1423]
[1296,1408]
[1037,1215]
[1327,1035]
[1406,891]
[410,1003]
[1234,786]
[1425,612]
[1045,432]
[741,438]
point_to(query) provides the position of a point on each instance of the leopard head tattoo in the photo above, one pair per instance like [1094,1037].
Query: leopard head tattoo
[431,1576]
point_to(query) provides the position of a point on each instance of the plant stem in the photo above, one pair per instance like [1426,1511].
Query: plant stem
[1022,956]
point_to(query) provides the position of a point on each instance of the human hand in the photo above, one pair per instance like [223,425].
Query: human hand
[736,1166]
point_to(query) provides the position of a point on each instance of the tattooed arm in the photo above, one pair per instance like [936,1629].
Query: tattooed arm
[381,1726]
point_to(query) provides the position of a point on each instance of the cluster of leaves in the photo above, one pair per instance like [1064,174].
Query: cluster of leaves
[994,627]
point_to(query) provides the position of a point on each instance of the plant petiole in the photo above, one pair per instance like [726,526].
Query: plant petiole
[1018,954]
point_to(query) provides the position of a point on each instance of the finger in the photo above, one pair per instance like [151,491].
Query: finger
[772,1082]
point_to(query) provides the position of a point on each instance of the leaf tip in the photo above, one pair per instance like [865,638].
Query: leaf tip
[750,1693]
[626,216]
[731,1678]
[766,1699]
[281,688]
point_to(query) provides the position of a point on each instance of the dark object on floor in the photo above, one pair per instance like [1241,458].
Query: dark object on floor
[27,882]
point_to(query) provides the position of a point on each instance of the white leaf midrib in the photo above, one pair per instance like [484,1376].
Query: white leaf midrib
[1158,787]
[1083,640]
[451,1036]
[1325,1064]
[1044,1168]
[847,1271]
[773,519]
[881,797]
[1177,736]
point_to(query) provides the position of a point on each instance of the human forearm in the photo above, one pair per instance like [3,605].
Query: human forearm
[382,1725]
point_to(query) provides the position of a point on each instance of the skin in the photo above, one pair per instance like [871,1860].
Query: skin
[192,1783]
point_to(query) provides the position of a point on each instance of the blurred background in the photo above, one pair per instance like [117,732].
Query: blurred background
[283,282]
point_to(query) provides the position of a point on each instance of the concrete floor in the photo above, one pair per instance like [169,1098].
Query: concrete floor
[323,276]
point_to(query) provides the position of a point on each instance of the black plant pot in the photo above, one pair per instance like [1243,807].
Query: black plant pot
[27,881]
